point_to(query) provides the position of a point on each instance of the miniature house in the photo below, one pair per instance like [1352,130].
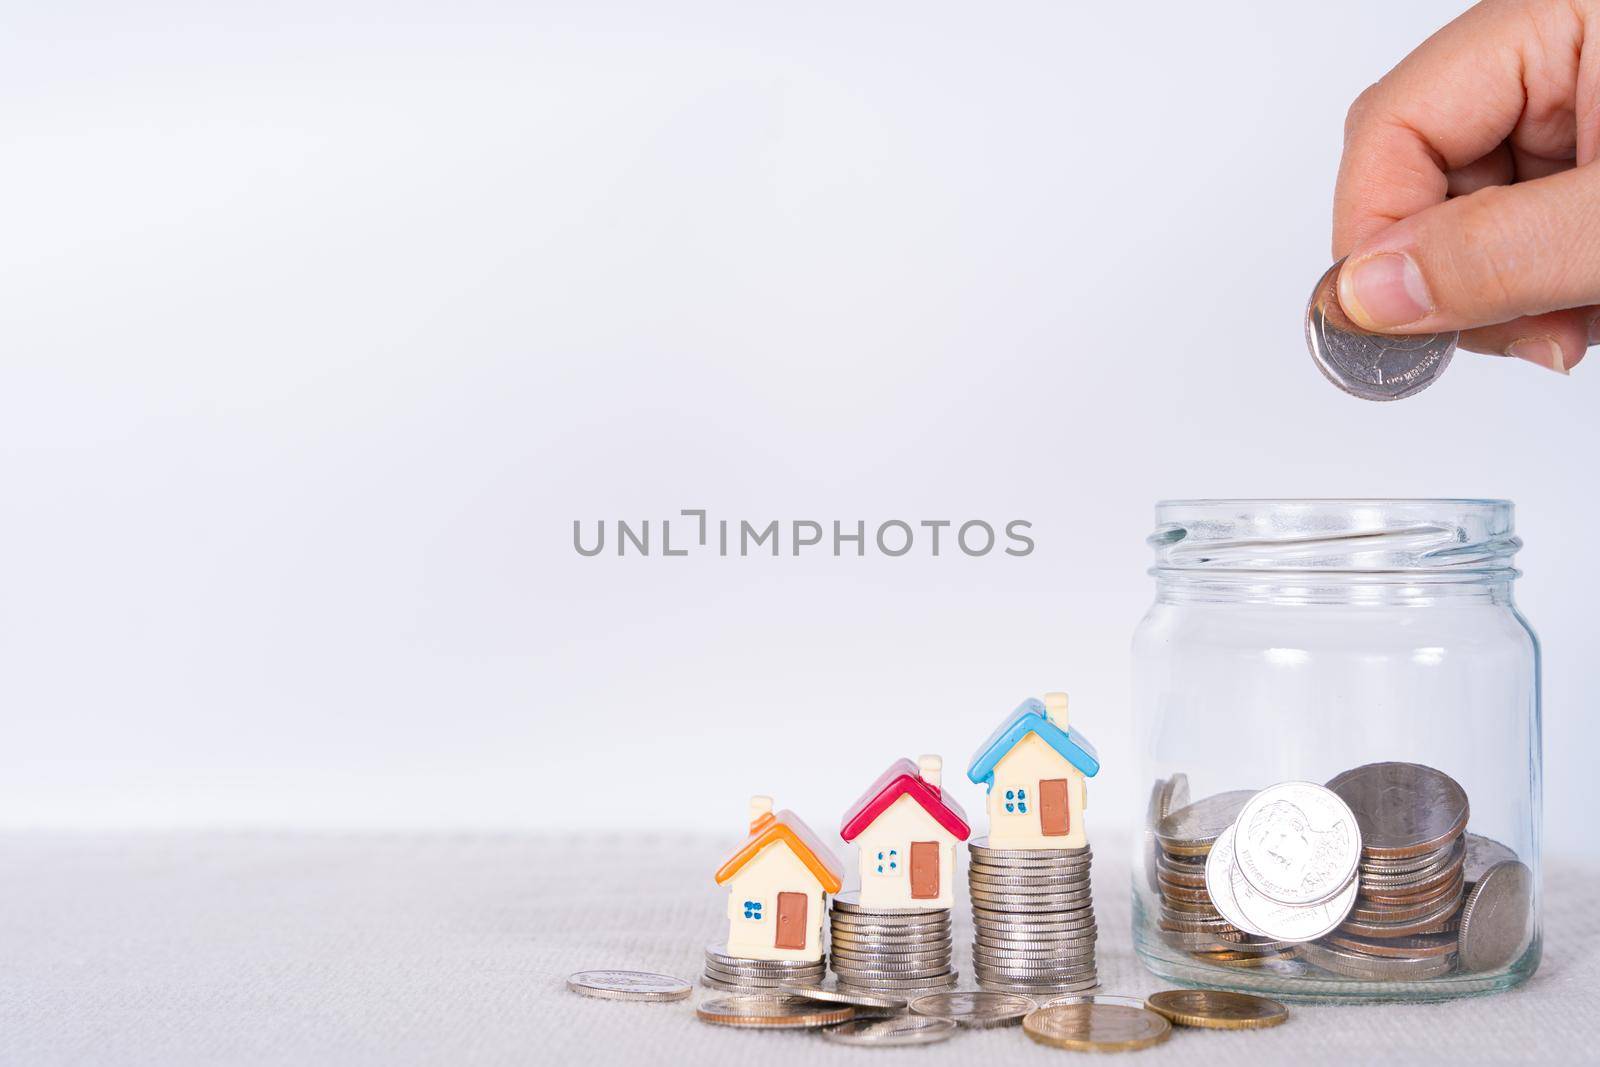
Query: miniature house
[1036,769]
[776,882]
[907,828]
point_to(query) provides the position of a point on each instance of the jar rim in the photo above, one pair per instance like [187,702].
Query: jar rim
[1461,535]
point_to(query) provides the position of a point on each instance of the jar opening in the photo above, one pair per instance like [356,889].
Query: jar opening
[1459,537]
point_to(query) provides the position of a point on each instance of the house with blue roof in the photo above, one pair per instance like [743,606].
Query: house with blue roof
[1036,768]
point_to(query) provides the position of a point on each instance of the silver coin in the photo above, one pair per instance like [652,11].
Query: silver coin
[907,985]
[1041,990]
[818,992]
[1190,830]
[741,987]
[718,951]
[1054,954]
[749,981]
[1023,881]
[757,967]
[979,1010]
[1292,922]
[1219,882]
[884,1033]
[867,975]
[1438,870]
[1023,928]
[1297,843]
[1375,968]
[1034,944]
[932,963]
[844,936]
[1096,998]
[907,920]
[1483,853]
[1403,809]
[869,946]
[1497,919]
[979,847]
[629,985]
[1372,366]
[850,900]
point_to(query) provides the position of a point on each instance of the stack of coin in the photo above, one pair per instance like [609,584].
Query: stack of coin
[889,950]
[1413,823]
[1184,837]
[739,974]
[1034,918]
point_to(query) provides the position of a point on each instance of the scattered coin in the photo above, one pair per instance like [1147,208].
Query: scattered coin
[772,1013]
[1217,1009]
[1097,1027]
[629,985]
[1095,998]
[900,1030]
[869,1001]
[981,1009]
[1496,921]
[1371,366]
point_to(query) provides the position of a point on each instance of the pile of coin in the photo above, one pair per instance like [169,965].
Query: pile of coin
[1183,836]
[739,974]
[1413,822]
[899,950]
[1034,917]
[1373,877]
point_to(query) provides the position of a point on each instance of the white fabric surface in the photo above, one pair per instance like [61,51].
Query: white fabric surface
[301,949]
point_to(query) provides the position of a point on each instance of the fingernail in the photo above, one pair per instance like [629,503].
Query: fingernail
[1384,291]
[1594,330]
[1540,350]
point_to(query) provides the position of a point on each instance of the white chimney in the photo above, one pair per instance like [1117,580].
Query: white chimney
[1055,709]
[759,806]
[929,768]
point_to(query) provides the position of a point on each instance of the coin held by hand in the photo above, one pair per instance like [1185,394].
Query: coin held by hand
[1372,366]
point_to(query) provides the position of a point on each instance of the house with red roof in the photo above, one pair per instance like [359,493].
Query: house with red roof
[777,881]
[906,828]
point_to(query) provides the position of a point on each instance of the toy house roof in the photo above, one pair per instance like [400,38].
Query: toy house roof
[1029,718]
[786,827]
[903,779]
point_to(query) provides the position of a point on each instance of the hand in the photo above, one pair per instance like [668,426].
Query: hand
[1467,199]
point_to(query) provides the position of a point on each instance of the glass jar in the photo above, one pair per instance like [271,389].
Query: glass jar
[1364,650]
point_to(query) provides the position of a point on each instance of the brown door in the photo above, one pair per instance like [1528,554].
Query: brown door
[924,870]
[1053,807]
[791,921]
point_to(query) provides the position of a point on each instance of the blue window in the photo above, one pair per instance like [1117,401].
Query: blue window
[752,909]
[1017,801]
[888,861]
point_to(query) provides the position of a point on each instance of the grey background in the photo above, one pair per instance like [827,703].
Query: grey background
[323,322]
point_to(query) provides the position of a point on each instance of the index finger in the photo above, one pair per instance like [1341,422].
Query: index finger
[1447,104]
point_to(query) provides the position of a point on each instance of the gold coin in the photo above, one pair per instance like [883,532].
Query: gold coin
[1097,1027]
[1216,1009]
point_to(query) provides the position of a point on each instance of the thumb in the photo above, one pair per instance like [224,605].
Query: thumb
[1496,254]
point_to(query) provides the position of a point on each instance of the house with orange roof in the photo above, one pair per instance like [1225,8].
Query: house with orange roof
[777,882]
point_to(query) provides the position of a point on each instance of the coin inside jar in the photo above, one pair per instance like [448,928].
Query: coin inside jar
[1496,921]
[1191,830]
[1297,843]
[1403,809]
